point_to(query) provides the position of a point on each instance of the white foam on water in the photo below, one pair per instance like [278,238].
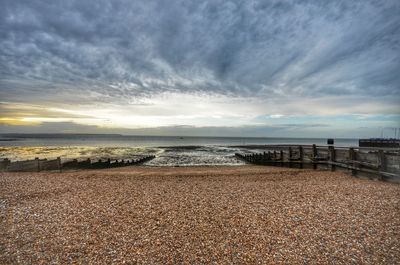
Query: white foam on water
[165,156]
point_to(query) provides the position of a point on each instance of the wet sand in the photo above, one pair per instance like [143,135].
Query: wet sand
[198,215]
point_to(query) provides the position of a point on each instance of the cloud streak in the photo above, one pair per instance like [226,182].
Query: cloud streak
[341,57]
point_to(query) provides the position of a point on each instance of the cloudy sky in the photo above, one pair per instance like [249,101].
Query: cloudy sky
[218,67]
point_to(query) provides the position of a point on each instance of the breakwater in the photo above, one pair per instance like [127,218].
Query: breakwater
[37,165]
[382,164]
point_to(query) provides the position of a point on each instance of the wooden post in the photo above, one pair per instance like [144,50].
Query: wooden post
[314,151]
[314,156]
[382,162]
[301,152]
[353,157]
[38,164]
[301,155]
[332,156]
[290,156]
[4,164]
[59,163]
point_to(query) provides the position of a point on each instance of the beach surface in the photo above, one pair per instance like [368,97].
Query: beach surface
[198,215]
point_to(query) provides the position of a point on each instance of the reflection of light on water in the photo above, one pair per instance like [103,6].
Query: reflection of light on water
[165,156]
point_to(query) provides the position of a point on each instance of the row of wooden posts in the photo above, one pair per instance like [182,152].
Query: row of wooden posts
[56,164]
[295,158]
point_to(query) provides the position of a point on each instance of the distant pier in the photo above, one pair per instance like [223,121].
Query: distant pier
[379,142]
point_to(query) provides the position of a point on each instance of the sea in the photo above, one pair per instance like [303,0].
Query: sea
[169,150]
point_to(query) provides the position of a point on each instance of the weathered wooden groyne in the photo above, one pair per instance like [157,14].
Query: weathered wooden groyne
[382,164]
[38,165]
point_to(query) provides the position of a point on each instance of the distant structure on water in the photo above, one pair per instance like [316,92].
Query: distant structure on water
[382,141]
[379,142]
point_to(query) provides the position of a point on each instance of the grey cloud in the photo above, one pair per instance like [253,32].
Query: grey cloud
[237,48]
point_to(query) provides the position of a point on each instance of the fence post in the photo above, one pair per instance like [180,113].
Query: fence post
[332,157]
[301,155]
[382,162]
[353,157]
[314,156]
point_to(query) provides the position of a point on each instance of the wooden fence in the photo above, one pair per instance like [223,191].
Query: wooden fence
[56,164]
[377,163]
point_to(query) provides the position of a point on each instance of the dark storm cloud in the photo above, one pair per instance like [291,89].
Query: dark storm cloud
[114,50]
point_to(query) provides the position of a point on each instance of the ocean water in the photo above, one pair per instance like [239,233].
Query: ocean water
[169,151]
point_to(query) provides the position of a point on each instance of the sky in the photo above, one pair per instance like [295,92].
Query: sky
[202,68]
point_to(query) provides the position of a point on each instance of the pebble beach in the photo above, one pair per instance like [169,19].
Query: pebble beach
[198,215]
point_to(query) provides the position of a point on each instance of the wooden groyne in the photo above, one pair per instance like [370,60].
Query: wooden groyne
[38,165]
[382,164]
